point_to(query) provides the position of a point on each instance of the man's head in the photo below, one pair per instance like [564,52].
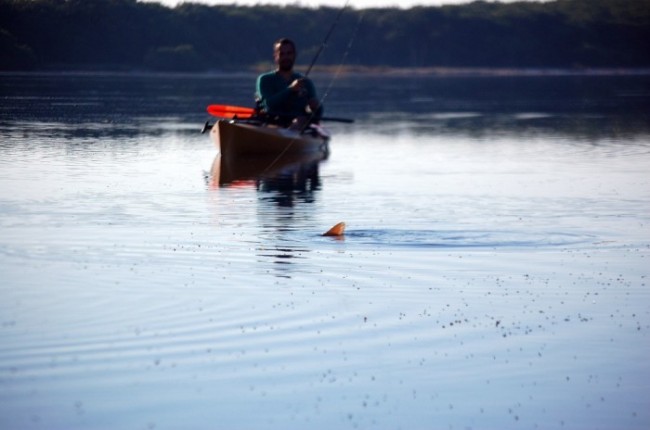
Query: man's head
[284,54]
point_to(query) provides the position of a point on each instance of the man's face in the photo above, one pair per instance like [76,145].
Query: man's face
[284,56]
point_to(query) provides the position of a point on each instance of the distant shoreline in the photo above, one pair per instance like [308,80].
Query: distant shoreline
[481,71]
[351,71]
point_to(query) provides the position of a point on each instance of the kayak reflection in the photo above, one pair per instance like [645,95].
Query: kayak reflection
[285,176]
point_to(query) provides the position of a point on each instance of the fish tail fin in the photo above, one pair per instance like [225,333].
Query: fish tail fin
[337,230]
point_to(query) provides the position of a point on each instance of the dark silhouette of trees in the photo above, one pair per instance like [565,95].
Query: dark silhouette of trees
[128,35]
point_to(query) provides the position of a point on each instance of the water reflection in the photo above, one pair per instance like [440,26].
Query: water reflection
[285,178]
[524,124]
[295,185]
[286,187]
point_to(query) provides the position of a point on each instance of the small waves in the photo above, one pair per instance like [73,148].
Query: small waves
[467,238]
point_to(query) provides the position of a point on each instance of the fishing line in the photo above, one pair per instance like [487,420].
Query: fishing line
[327,37]
[343,58]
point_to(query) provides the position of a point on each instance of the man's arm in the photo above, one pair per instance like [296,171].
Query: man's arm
[280,99]
[272,97]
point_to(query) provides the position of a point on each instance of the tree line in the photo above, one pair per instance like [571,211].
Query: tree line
[128,35]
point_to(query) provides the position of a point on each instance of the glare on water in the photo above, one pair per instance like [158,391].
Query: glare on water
[493,272]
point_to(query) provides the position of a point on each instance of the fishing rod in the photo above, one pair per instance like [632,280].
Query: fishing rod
[327,37]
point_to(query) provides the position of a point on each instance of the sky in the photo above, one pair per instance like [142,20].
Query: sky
[357,4]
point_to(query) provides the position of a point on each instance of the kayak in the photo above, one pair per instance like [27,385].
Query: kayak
[244,138]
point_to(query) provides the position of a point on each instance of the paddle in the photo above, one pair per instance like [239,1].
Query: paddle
[229,111]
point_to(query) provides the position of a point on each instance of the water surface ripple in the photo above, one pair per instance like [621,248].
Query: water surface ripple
[493,273]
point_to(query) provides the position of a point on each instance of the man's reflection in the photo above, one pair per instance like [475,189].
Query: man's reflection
[296,185]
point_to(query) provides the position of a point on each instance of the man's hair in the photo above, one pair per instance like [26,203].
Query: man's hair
[285,41]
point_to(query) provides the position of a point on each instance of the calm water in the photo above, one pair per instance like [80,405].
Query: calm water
[494,272]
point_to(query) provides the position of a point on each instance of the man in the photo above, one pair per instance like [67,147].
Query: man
[287,95]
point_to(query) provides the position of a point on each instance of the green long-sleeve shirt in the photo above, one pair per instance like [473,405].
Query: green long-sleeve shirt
[277,98]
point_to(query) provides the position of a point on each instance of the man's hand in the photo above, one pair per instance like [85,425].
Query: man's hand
[298,86]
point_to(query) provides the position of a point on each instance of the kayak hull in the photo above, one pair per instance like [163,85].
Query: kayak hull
[244,139]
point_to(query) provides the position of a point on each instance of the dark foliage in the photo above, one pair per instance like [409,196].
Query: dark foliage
[125,34]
